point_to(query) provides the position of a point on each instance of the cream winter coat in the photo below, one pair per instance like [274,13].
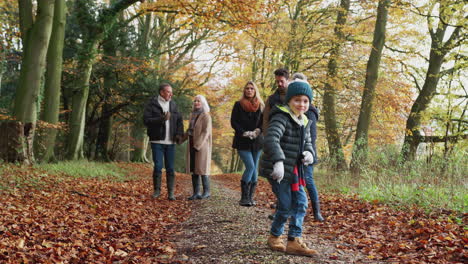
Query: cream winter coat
[202,141]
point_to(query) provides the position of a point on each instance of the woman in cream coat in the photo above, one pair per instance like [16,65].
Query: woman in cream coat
[198,152]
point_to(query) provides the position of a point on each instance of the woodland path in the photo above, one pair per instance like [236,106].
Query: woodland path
[51,217]
[221,231]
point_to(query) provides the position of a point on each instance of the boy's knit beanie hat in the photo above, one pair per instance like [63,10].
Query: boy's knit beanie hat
[299,87]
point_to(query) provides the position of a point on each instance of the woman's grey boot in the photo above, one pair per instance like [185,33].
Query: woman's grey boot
[244,201]
[316,210]
[196,187]
[206,186]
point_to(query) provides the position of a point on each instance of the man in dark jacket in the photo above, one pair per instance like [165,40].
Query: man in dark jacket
[277,98]
[164,127]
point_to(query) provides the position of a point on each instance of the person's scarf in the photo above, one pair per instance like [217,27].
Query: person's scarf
[250,105]
[298,178]
[195,114]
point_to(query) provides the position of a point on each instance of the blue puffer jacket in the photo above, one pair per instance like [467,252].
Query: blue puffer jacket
[285,141]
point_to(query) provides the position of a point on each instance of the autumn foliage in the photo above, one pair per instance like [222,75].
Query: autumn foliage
[58,218]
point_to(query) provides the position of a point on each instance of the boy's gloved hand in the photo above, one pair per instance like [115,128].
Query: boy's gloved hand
[308,158]
[278,171]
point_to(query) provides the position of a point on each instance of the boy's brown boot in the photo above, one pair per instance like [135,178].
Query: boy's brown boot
[296,246]
[275,243]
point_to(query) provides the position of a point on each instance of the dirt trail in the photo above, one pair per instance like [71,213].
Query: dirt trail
[221,231]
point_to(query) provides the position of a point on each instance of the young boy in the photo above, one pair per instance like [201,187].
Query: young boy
[287,149]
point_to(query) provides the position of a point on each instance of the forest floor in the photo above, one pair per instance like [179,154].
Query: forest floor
[62,219]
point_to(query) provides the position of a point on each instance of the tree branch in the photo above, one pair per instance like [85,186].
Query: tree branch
[441,139]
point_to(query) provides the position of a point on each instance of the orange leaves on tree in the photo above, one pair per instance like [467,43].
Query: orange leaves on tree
[209,13]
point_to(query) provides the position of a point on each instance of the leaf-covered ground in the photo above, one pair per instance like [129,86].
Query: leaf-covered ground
[56,218]
[383,233]
[48,218]
[220,231]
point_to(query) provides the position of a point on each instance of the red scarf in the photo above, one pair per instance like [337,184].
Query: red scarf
[250,105]
[298,180]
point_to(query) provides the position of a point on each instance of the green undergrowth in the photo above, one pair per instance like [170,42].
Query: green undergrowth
[434,184]
[428,196]
[7,180]
[17,176]
[87,169]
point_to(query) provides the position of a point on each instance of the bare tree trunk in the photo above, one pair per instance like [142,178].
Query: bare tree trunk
[36,36]
[140,143]
[139,138]
[11,145]
[79,98]
[372,73]
[52,83]
[233,160]
[104,135]
[331,127]
[254,61]
[105,122]
[3,64]
[263,69]
[292,56]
